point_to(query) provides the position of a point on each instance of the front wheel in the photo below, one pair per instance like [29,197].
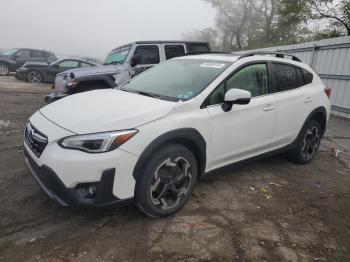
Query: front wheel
[34,76]
[4,69]
[167,181]
[307,144]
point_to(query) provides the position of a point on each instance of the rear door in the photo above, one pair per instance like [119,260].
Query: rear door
[21,57]
[292,99]
[37,56]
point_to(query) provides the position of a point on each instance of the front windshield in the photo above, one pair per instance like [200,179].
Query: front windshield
[179,79]
[118,55]
[8,52]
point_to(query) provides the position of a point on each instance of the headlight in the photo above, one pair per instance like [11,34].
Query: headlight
[99,142]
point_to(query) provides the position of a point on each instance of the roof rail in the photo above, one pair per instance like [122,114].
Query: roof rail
[277,54]
[207,52]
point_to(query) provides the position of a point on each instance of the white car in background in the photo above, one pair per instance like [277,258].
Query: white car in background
[151,139]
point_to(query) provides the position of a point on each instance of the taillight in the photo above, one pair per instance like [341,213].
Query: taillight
[328,91]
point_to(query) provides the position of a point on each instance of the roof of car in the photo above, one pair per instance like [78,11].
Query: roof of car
[170,41]
[232,57]
[228,57]
[75,59]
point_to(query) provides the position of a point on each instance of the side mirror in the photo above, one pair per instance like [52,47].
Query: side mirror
[135,60]
[236,96]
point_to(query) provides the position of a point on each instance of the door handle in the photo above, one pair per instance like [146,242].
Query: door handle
[268,108]
[307,100]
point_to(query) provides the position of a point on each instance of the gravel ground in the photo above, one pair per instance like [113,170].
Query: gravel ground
[267,210]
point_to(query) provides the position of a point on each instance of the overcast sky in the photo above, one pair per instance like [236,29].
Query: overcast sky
[93,27]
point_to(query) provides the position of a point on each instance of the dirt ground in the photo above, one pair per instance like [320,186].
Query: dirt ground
[267,210]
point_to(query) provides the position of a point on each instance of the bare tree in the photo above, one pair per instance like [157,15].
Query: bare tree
[333,10]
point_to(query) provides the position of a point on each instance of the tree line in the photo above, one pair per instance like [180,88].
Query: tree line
[250,24]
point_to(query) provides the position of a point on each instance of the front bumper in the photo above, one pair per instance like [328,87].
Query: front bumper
[54,96]
[21,74]
[72,170]
[50,183]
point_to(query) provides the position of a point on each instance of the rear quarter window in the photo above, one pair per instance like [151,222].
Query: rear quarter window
[197,48]
[307,76]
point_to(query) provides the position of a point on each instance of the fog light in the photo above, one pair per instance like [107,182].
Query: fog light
[87,190]
[91,191]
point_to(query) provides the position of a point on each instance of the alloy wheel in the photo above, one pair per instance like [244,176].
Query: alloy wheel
[34,76]
[311,142]
[170,183]
[4,70]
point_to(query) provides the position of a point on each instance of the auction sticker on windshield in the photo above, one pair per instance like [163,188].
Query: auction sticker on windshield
[213,65]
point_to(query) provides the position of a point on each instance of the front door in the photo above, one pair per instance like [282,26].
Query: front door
[245,130]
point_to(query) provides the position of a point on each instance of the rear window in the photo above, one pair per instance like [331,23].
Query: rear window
[307,76]
[197,48]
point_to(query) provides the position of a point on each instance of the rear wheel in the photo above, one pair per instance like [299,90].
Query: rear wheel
[308,143]
[34,76]
[4,69]
[167,181]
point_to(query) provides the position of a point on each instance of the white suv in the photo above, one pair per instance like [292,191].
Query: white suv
[151,139]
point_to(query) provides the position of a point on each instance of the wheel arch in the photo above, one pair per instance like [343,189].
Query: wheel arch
[37,70]
[188,137]
[319,114]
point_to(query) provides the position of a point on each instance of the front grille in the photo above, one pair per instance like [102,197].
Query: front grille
[35,140]
[60,83]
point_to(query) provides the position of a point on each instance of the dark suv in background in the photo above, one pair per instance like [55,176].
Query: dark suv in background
[11,59]
[121,64]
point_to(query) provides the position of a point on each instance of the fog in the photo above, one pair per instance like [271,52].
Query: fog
[92,27]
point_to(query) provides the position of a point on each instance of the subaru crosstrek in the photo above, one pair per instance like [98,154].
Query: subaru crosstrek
[152,138]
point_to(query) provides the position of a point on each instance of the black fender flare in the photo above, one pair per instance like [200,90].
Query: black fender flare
[188,137]
[319,110]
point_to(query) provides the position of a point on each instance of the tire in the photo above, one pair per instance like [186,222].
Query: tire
[307,144]
[4,69]
[171,172]
[34,76]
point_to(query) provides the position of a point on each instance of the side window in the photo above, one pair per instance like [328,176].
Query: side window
[197,48]
[284,77]
[307,76]
[37,54]
[252,78]
[82,64]
[173,51]
[68,64]
[23,54]
[149,54]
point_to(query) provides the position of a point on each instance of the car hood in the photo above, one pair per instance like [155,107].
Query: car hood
[93,70]
[105,110]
